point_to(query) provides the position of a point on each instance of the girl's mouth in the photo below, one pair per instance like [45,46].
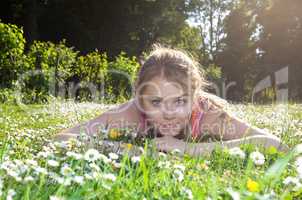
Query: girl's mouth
[169,126]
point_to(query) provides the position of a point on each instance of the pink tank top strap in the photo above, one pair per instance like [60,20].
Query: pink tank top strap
[196,117]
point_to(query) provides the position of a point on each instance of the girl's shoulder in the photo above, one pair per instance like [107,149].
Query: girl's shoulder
[126,112]
[210,102]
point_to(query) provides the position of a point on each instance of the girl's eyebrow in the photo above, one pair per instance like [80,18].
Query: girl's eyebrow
[157,97]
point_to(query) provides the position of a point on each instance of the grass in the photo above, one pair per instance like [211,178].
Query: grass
[34,167]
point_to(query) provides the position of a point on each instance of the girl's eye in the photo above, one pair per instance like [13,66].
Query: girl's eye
[180,101]
[155,102]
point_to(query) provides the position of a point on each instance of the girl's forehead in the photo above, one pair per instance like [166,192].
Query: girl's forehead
[163,88]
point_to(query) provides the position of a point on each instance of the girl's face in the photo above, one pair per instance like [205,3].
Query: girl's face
[166,105]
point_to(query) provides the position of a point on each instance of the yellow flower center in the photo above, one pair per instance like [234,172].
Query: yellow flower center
[252,186]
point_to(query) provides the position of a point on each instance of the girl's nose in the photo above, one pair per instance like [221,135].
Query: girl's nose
[168,112]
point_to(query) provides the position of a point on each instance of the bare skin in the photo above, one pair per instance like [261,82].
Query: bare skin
[168,109]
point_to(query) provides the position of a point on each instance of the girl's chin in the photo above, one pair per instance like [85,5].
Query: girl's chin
[168,132]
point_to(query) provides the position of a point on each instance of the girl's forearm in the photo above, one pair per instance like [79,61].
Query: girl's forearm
[196,149]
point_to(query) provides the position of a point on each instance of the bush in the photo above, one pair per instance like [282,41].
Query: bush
[12,59]
[91,70]
[121,75]
[53,64]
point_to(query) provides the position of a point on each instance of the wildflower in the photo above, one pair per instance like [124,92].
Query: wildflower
[28,179]
[178,174]
[56,198]
[31,162]
[92,155]
[236,151]
[129,146]
[162,155]
[135,159]
[298,161]
[66,170]
[235,195]
[78,179]
[257,157]
[53,163]
[40,170]
[114,133]
[203,166]
[10,194]
[43,154]
[74,155]
[113,156]
[116,165]
[298,149]
[188,192]
[175,151]
[252,186]
[163,164]
[104,158]
[109,176]
[294,182]
[178,166]
[94,167]
[291,180]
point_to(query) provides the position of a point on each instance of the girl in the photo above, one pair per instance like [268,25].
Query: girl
[171,105]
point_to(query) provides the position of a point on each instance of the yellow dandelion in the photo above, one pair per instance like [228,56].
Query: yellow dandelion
[129,146]
[114,133]
[203,166]
[252,186]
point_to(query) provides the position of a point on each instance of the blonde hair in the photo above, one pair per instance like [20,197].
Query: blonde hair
[176,66]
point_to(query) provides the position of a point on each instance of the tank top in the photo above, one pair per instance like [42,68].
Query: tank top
[195,122]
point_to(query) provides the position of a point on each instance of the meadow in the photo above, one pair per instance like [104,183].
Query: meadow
[32,166]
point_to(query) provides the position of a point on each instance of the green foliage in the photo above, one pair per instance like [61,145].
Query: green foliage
[12,44]
[92,67]
[52,64]
[121,75]
[91,70]
[213,72]
[188,39]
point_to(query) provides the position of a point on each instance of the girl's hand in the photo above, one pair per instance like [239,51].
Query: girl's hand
[169,143]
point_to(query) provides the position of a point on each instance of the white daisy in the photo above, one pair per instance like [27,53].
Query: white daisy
[53,163]
[92,155]
[78,179]
[113,156]
[109,176]
[66,170]
[291,180]
[135,159]
[235,195]
[178,166]
[28,179]
[236,151]
[178,174]
[105,159]
[188,192]
[175,151]
[56,198]
[257,157]
[74,155]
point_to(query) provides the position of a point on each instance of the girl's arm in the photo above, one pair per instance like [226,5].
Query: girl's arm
[90,127]
[225,126]
[124,115]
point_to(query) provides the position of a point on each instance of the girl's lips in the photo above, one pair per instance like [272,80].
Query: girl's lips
[168,125]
